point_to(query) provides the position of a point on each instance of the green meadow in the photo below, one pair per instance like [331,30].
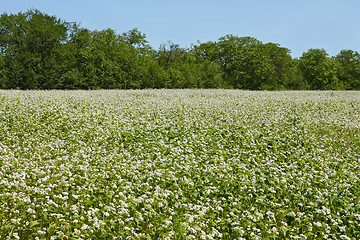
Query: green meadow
[179,164]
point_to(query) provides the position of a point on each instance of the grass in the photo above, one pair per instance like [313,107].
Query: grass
[179,164]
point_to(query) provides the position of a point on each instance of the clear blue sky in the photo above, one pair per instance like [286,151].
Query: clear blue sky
[296,24]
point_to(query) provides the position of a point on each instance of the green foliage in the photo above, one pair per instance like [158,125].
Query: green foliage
[179,164]
[39,51]
[186,70]
[29,41]
[349,68]
[248,63]
[319,70]
[2,71]
[294,79]
[103,59]
[137,39]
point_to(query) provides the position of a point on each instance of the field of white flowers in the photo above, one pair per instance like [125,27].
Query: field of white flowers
[179,164]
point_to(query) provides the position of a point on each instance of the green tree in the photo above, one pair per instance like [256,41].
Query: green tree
[279,67]
[295,80]
[230,47]
[74,65]
[2,71]
[207,51]
[102,60]
[235,54]
[185,68]
[228,52]
[38,51]
[146,72]
[212,65]
[319,70]
[176,61]
[349,68]
[29,43]
[138,40]
[210,75]
[247,63]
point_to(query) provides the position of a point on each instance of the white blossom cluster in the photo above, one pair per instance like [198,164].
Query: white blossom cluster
[179,164]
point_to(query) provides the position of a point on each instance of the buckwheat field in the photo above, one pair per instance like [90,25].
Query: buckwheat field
[179,164]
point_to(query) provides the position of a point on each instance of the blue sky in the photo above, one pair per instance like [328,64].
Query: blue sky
[296,24]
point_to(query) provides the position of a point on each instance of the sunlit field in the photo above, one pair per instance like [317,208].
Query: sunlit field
[179,164]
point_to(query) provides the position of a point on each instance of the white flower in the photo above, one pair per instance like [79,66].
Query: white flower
[345,237]
[16,235]
[84,227]
[318,224]
[41,232]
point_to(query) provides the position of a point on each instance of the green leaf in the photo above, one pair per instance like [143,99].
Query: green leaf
[7,227]
[51,230]
[33,223]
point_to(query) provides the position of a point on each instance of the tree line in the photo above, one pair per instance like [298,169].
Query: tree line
[39,51]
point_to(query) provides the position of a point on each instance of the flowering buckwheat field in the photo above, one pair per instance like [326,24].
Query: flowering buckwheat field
[179,164]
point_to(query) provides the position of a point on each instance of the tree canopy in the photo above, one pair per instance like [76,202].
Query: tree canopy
[39,51]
